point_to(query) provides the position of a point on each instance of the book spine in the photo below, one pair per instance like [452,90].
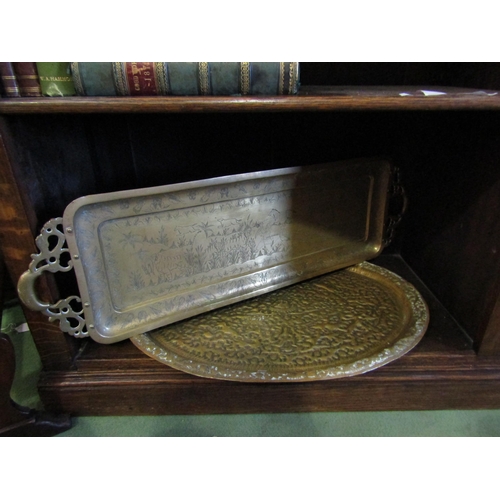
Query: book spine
[55,79]
[116,78]
[9,80]
[228,78]
[93,78]
[27,79]
[135,78]
[185,78]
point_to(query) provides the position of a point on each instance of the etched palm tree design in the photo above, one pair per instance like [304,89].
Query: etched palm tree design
[207,228]
[136,280]
[130,238]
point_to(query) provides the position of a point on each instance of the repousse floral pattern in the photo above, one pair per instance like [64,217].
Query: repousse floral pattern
[336,325]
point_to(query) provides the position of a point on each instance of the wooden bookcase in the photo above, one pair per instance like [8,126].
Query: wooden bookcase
[445,142]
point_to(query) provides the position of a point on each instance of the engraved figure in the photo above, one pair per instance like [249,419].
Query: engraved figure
[230,225]
[278,218]
[188,234]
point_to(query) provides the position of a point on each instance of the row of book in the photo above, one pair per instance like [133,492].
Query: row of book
[57,79]
[30,79]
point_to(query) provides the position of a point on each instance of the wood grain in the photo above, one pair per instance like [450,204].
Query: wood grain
[17,245]
[309,99]
[449,384]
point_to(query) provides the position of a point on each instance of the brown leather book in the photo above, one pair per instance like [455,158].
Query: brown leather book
[27,79]
[9,80]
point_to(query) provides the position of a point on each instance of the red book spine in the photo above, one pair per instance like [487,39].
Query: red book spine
[27,79]
[141,78]
[9,80]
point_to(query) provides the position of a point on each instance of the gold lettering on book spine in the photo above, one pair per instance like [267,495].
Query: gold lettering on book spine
[245,78]
[77,79]
[204,78]
[120,78]
[162,85]
[55,78]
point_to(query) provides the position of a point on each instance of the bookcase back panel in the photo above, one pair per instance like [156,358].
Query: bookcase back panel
[452,230]
[457,74]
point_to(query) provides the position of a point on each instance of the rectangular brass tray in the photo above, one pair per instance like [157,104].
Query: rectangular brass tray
[150,257]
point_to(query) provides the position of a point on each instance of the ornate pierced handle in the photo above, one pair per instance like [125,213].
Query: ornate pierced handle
[51,243]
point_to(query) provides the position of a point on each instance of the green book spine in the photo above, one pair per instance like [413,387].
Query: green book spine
[55,79]
[93,78]
[185,78]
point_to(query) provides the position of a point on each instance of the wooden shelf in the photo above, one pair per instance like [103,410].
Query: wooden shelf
[442,371]
[310,98]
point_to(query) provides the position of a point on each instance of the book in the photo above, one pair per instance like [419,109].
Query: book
[27,79]
[55,79]
[9,80]
[185,78]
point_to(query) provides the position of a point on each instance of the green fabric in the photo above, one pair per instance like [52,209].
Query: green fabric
[183,78]
[474,423]
[478,423]
[55,79]
[97,78]
[264,78]
[28,364]
[225,78]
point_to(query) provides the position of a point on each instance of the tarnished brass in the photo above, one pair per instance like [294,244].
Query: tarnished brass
[341,324]
[150,257]
[48,259]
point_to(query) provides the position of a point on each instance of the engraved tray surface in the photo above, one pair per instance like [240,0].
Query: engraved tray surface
[337,325]
[150,257]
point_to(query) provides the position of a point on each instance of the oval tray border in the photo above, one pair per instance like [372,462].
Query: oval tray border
[403,345]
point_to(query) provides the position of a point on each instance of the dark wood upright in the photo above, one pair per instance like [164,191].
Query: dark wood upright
[438,122]
[16,420]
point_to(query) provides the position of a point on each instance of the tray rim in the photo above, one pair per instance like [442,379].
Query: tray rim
[404,344]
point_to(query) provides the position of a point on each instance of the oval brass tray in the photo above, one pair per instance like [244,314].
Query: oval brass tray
[338,325]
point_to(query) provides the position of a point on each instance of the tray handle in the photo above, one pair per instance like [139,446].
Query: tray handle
[398,204]
[51,243]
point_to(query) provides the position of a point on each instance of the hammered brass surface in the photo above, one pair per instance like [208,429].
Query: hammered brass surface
[337,325]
